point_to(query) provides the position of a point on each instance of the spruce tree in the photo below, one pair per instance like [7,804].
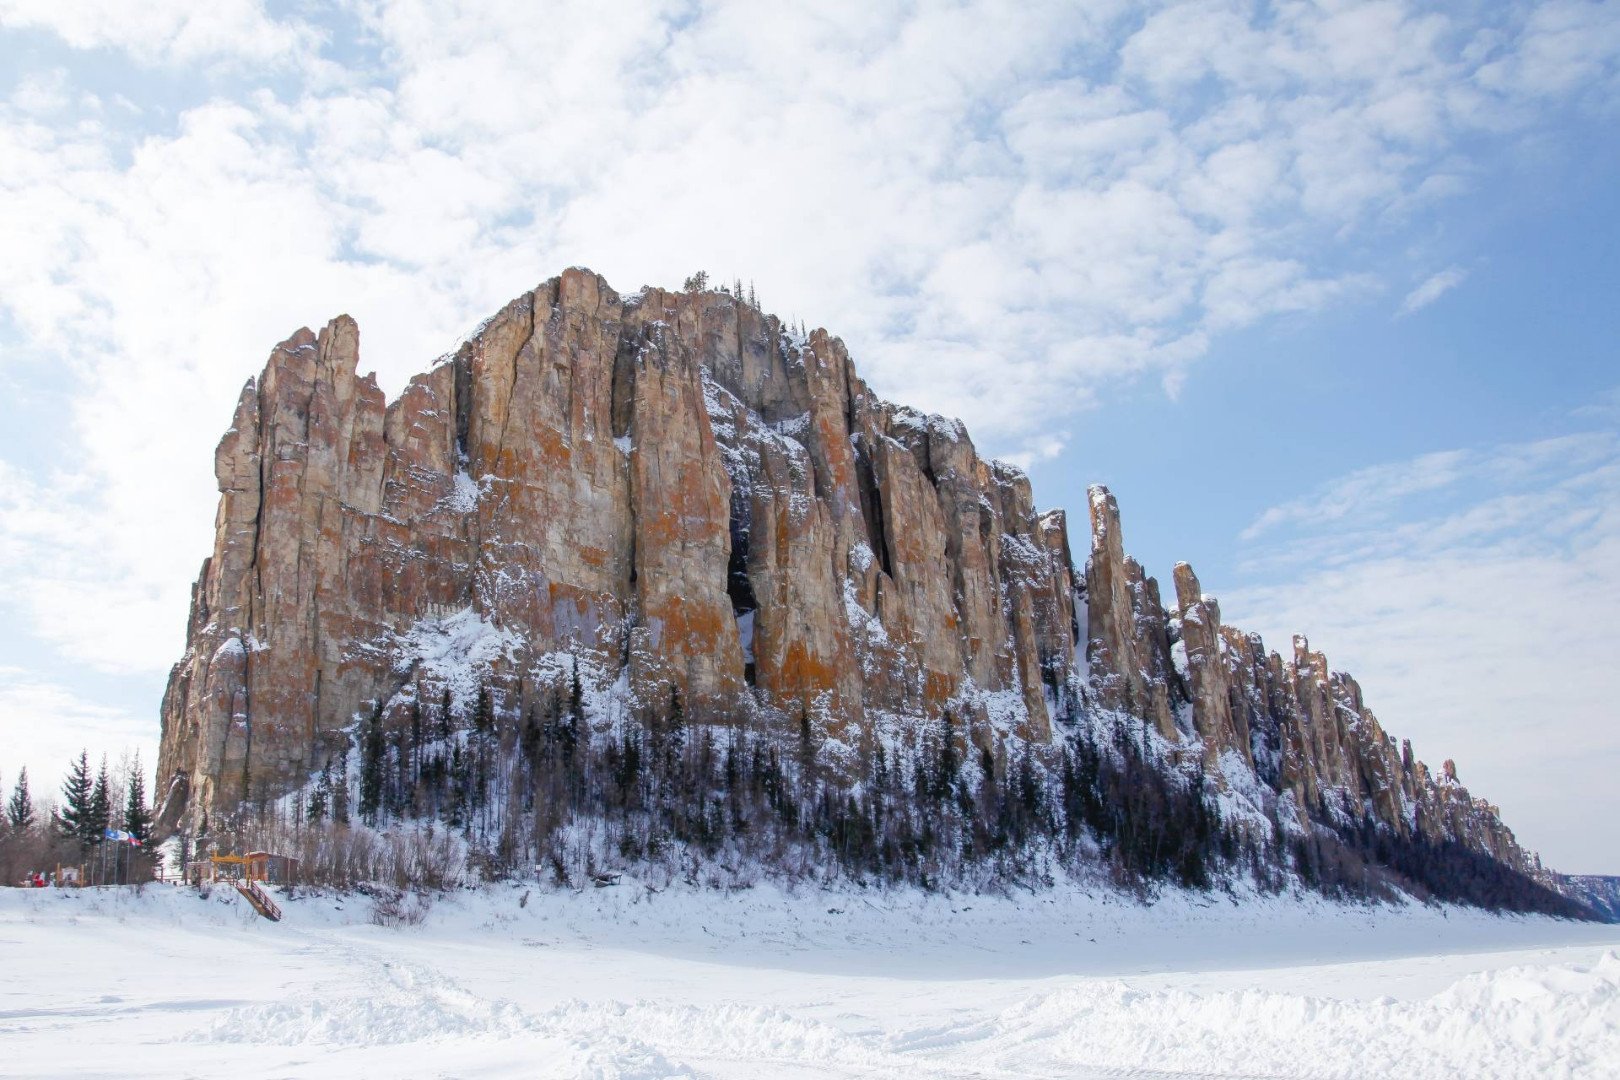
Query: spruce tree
[949,764]
[576,693]
[371,767]
[416,745]
[73,819]
[807,750]
[20,809]
[137,815]
[320,796]
[674,728]
[340,791]
[100,817]
[483,737]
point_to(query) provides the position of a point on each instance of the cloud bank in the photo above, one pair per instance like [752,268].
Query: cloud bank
[1010,210]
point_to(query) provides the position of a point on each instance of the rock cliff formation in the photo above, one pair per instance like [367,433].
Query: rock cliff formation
[697,508]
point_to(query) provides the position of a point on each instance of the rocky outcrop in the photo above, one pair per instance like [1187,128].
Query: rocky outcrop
[669,487]
[695,508]
[1294,725]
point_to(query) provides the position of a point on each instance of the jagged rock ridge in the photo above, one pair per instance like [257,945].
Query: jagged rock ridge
[676,495]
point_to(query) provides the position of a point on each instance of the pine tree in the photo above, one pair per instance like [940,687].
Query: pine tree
[675,727]
[807,749]
[569,735]
[100,817]
[340,791]
[371,767]
[20,809]
[320,796]
[73,819]
[483,738]
[137,815]
[576,694]
[416,745]
[446,718]
[949,764]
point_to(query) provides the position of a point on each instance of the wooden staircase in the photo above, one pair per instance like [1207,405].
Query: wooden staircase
[259,899]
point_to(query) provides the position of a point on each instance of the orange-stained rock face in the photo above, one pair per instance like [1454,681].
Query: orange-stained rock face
[676,497]
[668,486]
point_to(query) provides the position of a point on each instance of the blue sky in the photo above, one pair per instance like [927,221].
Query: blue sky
[1325,291]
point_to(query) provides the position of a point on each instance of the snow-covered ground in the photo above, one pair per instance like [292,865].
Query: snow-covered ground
[624,982]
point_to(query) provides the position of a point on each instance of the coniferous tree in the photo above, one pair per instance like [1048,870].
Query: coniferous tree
[20,808]
[576,736]
[100,805]
[576,693]
[416,741]
[320,796]
[807,750]
[74,818]
[137,815]
[371,767]
[340,790]
[446,717]
[674,730]
[949,763]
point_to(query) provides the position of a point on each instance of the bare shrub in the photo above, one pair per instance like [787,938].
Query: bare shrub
[394,907]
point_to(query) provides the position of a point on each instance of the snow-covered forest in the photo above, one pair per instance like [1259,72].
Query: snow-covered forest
[578,788]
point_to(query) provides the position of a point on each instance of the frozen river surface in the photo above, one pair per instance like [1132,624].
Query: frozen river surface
[625,982]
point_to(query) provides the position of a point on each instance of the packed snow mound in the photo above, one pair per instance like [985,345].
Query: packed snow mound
[408,1005]
[1561,1021]
[413,1004]
[1524,1021]
[757,1033]
[629,983]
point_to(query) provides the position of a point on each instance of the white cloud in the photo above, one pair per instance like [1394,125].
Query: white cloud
[1484,617]
[1364,495]
[42,93]
[44,725]
[165,31]
[1432,289]
[1567,47]
[937,167]
[1372,509]
[1005,208]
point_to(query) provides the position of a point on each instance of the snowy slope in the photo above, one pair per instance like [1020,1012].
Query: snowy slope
[623,982]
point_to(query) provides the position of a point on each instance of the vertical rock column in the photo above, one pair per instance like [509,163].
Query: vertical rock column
[1206,672]
[1127,654]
